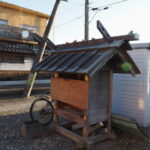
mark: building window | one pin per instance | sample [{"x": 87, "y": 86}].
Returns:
[
  {"x": 30, "y": 28},
  {"x": 11, "y": 59},
  {"x": 2, "y": 21}
]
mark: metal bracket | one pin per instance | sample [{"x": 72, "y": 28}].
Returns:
[{"x": 104, "y": 32}]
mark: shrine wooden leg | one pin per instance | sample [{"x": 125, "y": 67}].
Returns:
[
  {"x": 109, "y": 102},
  {"x": 86, "y": 125},
  {"x": 56, "y": 118}
]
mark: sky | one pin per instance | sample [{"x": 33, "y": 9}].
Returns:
[{"x": 119, "y": 19}]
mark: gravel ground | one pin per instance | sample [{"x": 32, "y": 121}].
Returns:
[
  {"x": 11, "y": 119},
  {"x": 10, "y": 139}
]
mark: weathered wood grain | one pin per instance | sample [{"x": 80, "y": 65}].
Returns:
[{"x": 72, "y": 92}]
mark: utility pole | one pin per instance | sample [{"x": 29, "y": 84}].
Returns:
[
  {"x": 42, "y": 46},
  {"x": 86, "y": 33},
  {"x": 87, "y": 8}
]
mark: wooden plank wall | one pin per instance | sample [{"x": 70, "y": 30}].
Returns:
[{"x": 72, "y": 92}]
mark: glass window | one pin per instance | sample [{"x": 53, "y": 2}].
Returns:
[
  {"x": 28, "y": 27},
  {"x": 11, "y": 59},
  {"x": 2, "y": 21}
]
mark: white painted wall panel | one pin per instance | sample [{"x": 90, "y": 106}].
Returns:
[
  {"x": 147, "y": 117},
  {"x": 26, "y": 66},
  {"x": 129, "y": 93}
]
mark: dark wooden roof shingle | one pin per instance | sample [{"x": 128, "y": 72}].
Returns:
[{"x": 82, "y": 60}]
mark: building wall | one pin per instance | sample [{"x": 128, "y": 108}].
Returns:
[
  {"x": 147, "y": 118},
  {"x": 98, "y": 95},
  {"x": 17, "y": 18},
  {"x": 130, "y": 93},
  {"x": 26, "y": 66}
]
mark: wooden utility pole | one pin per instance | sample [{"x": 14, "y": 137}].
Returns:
[
  {"x": 42, "y": 46},
  {"x": 86, "y": 34}
]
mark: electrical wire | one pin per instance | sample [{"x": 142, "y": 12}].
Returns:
[
  {"x": 69, "y": 21},
  {"x": 109, "y": 5},
  {"x": 105, "y": 8},
  {"x": 97, "y": 9},
  {"x": 93, "y": 16},
  {"x": 77, "y": 4}
]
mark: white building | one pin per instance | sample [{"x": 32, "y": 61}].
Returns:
[
  {"x": 18, "y": 48},
  {"x": 131, "y": 96}
]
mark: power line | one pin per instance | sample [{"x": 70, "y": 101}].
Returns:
[
  {"x": 97, "y": 11},
  {"x": 69, "y": 21},
  {"x": 93, "y": 16},
  {"x": 105, "y": 7},
  {"x": 108, "y": 5},
  {"x": 77, "y": 4}
]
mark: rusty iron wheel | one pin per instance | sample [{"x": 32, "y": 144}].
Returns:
[{"x": 42, "y": 110}]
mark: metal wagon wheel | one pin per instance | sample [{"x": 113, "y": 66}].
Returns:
[{"x": 42, "y": 110}]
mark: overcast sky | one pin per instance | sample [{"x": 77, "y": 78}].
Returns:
[{"x": 118, "y": 19}]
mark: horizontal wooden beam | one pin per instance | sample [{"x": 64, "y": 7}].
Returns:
[
  {"x": 97, "y": 138},
  {"x": 70, "y": 116},
  {"x": 71, "y": 135},
  {"x": 128, "y": 37},
  {"x": 18, "y": 41},
  {"x": 86, "y": 48}
]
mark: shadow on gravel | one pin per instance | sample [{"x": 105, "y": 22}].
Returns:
[{"x": 10, "y": 138}]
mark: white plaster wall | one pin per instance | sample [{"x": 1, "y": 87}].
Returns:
[
  {"x": 26, "y": 66},
  {"x": 130, "y": 93}
]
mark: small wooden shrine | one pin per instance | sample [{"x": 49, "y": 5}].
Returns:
[{"x": 82, "y": 85}]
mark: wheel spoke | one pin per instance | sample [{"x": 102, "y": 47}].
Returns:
[{"x": 42, "y": 110}]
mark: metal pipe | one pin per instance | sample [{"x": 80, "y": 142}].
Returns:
[{"x": 86, "y": 20}]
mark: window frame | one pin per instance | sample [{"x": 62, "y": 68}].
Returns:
[
  {"x": 6, "y": 58},
  {"x": 30, "y": 28},
  {"x": 4, "y": 20}
]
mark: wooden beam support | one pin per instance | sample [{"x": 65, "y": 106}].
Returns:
[
  {"x": 67, "y": 124},
  {"x": 56, "y": 75},
  {"x": 92, "y": 129},
  {"x": 56, "y": 118},
  {"x": 104, "y": 32},
  {"x": 39, "y": 56},
  {"x": 50, "y": 44},
  {"x": 104, "y": 46},
  {"x": 18, "y": 41},
  {"x": 70, "y": 116},
  {"x": 71, "y": 135},
  {"x": 86, "y": 125},
  {"x": 109, "y": 107},
  {"x": 77, "y": 126},
  {"x": 96, "y": 138},
  {"x": 86, "y": 78}
]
